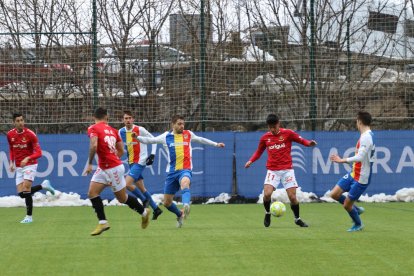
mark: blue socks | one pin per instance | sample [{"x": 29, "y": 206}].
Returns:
[
  {"x": 342, "y": 200},
  {"x": 186, "y": 196},
  {"x": 151, "y": 202},
  {"x": 355, "y": 216},
  {"x": 143, "y": 196},
  {"x": 138, "y": 194},
  {"x": 173, "y": 208}
]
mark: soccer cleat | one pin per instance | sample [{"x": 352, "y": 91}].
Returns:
[
  {"x": 27, "y": 219},
  {"x": 156, "y": 214},
  {"x": 186, "y": 210},
  {"x": 360, "y": 210},
  {"x": 266, "y": 221},
  {"x": 48, "y": 187},
  {"x": 300, "y": 222},
  {"x": 356, "y": 228},
  {"x": 100, "y": 228},
  {"x": 145, "y": 220},
  {"x": 180, "y": 220}
]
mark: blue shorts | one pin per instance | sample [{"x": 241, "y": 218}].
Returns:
[
  {"x": 172, "y": 183},
  {"x": 135, "y": 171},
  {"x": 353, "y": 187}
]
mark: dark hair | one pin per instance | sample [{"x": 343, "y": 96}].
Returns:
[
  {"x": 16, "y": 115},
  {"x": 272, "y": 119},
  {"x": 128, "y": 112},
  {"x": 100, "y": 113},
  {"x": 365, "y": 118},
  {"x": 175, "y": 118}
]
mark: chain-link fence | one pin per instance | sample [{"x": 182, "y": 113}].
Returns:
[{"x": 224, "y": 65}]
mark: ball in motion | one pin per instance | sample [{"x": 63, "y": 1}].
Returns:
[{"x": 277, "y": 209}]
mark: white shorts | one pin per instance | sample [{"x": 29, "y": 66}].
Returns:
[
  {"x": 25, "y": 173},
  {"x": 286, "y": 177},
  {"x": 113, "y": 177}
]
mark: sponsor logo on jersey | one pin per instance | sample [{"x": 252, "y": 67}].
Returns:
[
  {"x": 178, "y": 144},
  {"x": 277, "y": 146},
  {"x": 21, "y": 146}
]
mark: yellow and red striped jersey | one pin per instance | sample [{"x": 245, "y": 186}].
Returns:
[
  {"x": 178, "y": 147},
  {"x": 137, "y": 152}
]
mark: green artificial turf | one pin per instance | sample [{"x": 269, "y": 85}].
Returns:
[{"x": 215, "y": 240}]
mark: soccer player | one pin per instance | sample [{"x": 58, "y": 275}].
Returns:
[
  {"x": 357, "y": 181},
  {"x": 178, "y": 146},
  {"x": 24, "y": 152},
  {"x": 106, "y": 143},
  {"x": 138, "y": 158},
  {"x": 278, "y": 142}
]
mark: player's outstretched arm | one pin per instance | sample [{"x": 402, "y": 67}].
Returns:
[
  {"x": 335, "y": 158},
  {"x": 256, "y": 155},
  {"x": 205, "y": 141},
  {"x": 160, "y": 139},
  {"x": 299, "y": 139},
  {"x": 362, "y": 152},
  {"x": 144, "y": 132}
]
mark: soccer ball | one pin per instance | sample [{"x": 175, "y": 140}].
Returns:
[{"x": 277, "y": 209}]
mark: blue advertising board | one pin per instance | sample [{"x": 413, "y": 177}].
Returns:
[
  {"x": 65, "y": 157},
  {"x": 393, "y": 169}
]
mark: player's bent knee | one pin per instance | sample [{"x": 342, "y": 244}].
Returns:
[
  {"x": 267, "y": 197},
  {"x": 167, "y": 203},
  {"x": 335, "y": 196},
  {"x": 130, "y": 187},
  {"x": 24, "y": 194},
  {"x": 92, "y": 195}
]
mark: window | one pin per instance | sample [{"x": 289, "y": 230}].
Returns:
[
  {"x": 382, "y": 22},
  {"x": 409, "y": 28}
]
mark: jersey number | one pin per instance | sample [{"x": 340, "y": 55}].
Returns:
[{"x": 111, "y": 142}]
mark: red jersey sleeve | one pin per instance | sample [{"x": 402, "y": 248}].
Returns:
[
  {"x": 298, "y": 139},
  {"x": 37, "y": 151},
  {"x": 11, "y": 153},
  {"x": 92, "y": 132},
  {"x": 260, "y": 149}
]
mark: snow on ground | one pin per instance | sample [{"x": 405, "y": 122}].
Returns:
[
  {"x": 254, "y": 54},
  {"x": 73, "y": 199}
]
